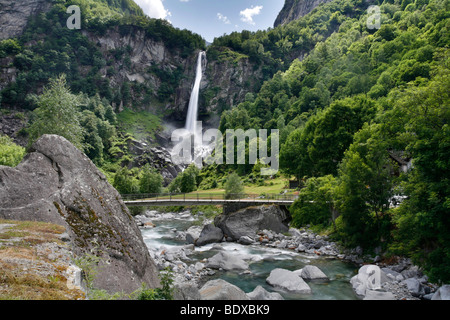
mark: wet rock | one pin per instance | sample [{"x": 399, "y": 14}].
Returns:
[{"x": 288, "y": 280}]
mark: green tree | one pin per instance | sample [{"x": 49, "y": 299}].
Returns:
[
  {"x": 422, "y": 112},
  {"x": 233, "y": 186},
  {"x": 124, "y": 182},
  {"x": 150, "y": 181},
  {"x": 316, "y": 203},
  {"x": 57, "y": 113}
]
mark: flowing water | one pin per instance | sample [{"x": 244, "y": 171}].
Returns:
[
  {"x": 191, "y": 121},
  {"x": 262, "y": 261}
]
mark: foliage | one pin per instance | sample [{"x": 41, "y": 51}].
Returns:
[
  {"x": 186, "y": 181},
  {"x": 316, "y": 202},
  {"x": 11, "y": 154},
  {"x": 150, "y": 181},
  {"x": 233, "y": 186},
  {"x": 57, "y": 113},
  {"x": 163, "y": 293}
]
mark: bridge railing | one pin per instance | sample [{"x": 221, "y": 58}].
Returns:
[{"x": 208, "y": 196}]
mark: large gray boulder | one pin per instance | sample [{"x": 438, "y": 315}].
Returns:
[
  {"x": 209, "y": 234},
  {"x": 226, "y": 261},
  {"x": 288, "y": 280},
  {"x": 57, "y": 183},
  {"x": 248, "y": 221},
  {"x": 221, "y": 290}
]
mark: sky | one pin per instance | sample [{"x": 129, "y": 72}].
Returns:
[{"x": 213, "y": 18}]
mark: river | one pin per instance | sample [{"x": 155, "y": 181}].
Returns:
[{"x": 262, "y": 260}]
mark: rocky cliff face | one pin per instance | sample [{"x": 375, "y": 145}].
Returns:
[
  {"x": 57, "y": 183},
  {"x": 14, "y": 15},
  {"x": 294, "y": 9},
  {"x": 225, "y": 85}
]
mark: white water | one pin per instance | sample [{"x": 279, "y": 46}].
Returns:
[{"x": 191, "y": 120}]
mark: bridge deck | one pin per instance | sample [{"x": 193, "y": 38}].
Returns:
[{"x": 205, "y": 199}]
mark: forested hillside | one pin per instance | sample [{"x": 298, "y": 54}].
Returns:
[{"x": 363, "y": 120}]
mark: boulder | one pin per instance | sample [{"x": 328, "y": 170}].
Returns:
[
  {"x": 288, "y": 280},
  {"x": 248, "y": 221},
  {"x": 192, "y": 234},
  {"x": 443, "y": 293},
  {"x": 246, "y": 240},
  {"x": 262, "y": 294},
  {"x": 57, "y": 183},
  {"x": 414, "y": 287},
  {"x": 311, "y": 273},
  {"x": 186, "y": 291},
  {"x": 221, "y": 290},
  {"x": 226, "y": 261},
  {"x": 209, "y": 234}
]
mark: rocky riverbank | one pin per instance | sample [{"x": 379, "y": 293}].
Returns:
[{"x": 399, "y": 281}]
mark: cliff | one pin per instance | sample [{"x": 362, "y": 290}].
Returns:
[
  {"x": 15, "y": 14},
  {"x": 294, "y": 9}
]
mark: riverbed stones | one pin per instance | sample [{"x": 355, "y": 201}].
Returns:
[
  {"x": 221, "y": 290},
  {"x": 288, "y": 280},
  {"x": 226, "y": 261}
]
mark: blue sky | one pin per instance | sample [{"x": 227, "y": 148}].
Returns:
[{"x": 213, "y": 18}]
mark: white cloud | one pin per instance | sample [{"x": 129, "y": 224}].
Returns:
[
  {"x": 154, "y": 8},
  {"x": 247, "y": 14},
  {"x": 223, "y": 18}
]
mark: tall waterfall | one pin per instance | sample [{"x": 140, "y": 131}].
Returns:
[{"x": 191, "y": 121}]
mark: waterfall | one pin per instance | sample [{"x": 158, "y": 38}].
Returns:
[{"x": 191, "y": 120}]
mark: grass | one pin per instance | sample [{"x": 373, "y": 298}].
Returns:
[
  {"x": 26, "y": 274},
  {"x": 139, "y": 124}
]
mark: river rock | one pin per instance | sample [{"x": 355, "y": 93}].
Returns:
[
  {"x": 262, "y": 294},
  {"x": 311, "y": 273},
  {"x": 209, "y": 234},
  {"x": 414, "y": 287},
  {"x": 288, "y": 280},
  {"x": 226, "y": 261},
  {"x": 246, "y": 240},
  {"x": 443, "y": 293},
  {"x": 221, "y": 290},
  {"x": 248, "y": 221},
  {"x": 186, "y": 291},
  {"x": 57, "y": 183},
  {"x": 192, "y": 234}
]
